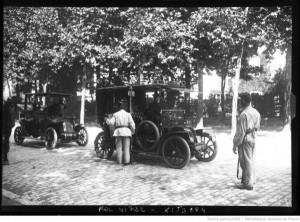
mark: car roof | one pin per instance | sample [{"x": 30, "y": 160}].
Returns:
[
  {"x": 53, "y": 94},
  {"x": 150, "y": 87}
]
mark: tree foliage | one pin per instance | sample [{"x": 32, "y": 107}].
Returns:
[{"x": 64, "y": 48}]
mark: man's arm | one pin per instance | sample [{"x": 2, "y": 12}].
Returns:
[
  {"x": 131, "y": 123},
  {"x": 240, "y": 132},
  {"x": 111, "y": 121}
]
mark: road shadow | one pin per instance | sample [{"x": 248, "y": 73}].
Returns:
[{"x": 38, "y": 144}]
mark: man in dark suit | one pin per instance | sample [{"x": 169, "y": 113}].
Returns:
[{"x": 8, "y": 122}]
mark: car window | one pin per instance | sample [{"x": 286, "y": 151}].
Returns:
[
  {"x": 52, "y": 100},
  {"x": 30, "y": 101},
  {"x": 149, "y": 98}
]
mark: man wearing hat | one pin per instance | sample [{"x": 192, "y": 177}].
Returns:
[
  {"x": 244, "y": 141},
  {"x": 124, "y": 128}
]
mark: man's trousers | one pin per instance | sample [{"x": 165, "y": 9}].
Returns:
[
  {"x": 247, "y": 153},
  {"x": 123, "y": 143}
]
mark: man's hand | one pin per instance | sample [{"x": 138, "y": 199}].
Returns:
[{"x": 234, "y": 150}]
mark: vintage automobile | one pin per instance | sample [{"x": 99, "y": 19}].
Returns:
[
  {"x": 174, "y": 137},
  {"x": 43, "y": 117}
]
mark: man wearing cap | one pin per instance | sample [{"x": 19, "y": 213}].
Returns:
[
  {"x": 244, "y": 141},
  {"x": 124, "y": 128}
]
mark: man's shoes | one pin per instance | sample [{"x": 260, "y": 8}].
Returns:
[
  {"x": 5, "y": 162},
  {"x": 242, "y": 187}
]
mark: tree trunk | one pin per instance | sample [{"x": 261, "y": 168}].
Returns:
[
  {"x": 200, "y": 100},
  {"x": 287, "y": 93},
  {"x": 110, "y": 73},
  {"x": 235, "y": 86},
  {"x": 235, "y": 92},
  {"x": 187, "y": 77},
  {"x": 223, "y": 83},
  {"x": 35, "y": 86},
  {"x": 45, "y": 87},
  {"x": 9, "y": 90},
  {"x": 82, "y": 110},
  {"x": 95, "y": 93},
  {"x": 140, "y": 75}
]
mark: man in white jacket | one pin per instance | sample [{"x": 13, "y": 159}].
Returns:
[
  {"x": 124, "y": 129},
  {"x": 244, "y": 140}
]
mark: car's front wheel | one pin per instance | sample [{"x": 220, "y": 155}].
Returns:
[
  {"x": 82, "y": 137},
  {"x": 18, "y": 136},
  {"x": 176, "y": 152},
  {"x": 103, "y": 146},
  {"x": 50, "y": 138}
]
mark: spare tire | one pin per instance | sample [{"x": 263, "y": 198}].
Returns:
[{"x": 147, "y": 135}]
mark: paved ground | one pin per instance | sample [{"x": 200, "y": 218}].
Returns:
[{"x": 72, "y": 175}]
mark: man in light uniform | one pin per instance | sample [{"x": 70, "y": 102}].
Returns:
[
  {"x": 244, "y": 141},
  {"x": 124, "y": 128}
]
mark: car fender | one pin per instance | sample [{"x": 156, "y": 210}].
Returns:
[
  {"x": 78, "y": 126},
  {"x": 22, "y": 124}
]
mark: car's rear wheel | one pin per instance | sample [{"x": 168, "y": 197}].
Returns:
[
  {"x": 103, "y": 147},
  {"x": 18, "y": 136},
  {"x": 176, "y": 152},
  {"x": 50, "y": 138},
  {"x": 147, "y": 135},
  {"x": 82, "y": 137},
  {"x": 209, "y": 150}
]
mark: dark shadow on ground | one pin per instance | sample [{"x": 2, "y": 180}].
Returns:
[
  {"x": 41, "y": 144},
  {"x": 10, "y": 202}
]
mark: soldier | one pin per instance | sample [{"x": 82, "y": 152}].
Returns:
[
  {"x": 244, "y": 141},
  {"x": 9, "y": 108},
  {"x": 124, "y": 128}
]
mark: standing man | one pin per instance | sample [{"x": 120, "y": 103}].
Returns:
[
  {"x": 124, "y": 128},
  {"x": 244, "y": 140},
  {"x": 154, "y": 110},
  {"x": 163, "y": 100},
  {"x": 8, "y": 122}
]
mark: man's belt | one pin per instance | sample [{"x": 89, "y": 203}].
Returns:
[
  {"x": 251, "y": 131},
  {"x": 117, "y": 127}
]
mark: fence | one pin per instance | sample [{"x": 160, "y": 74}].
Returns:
[{"x": 268, "y": 105}]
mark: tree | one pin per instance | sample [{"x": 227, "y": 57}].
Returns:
[
  {"x": 53, "y": 46},
  {"x": 235, "y": 35},
  {"x": 29, "y": 39}
]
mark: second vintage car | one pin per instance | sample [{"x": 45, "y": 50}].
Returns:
[{"x": 45, "y": 115}]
